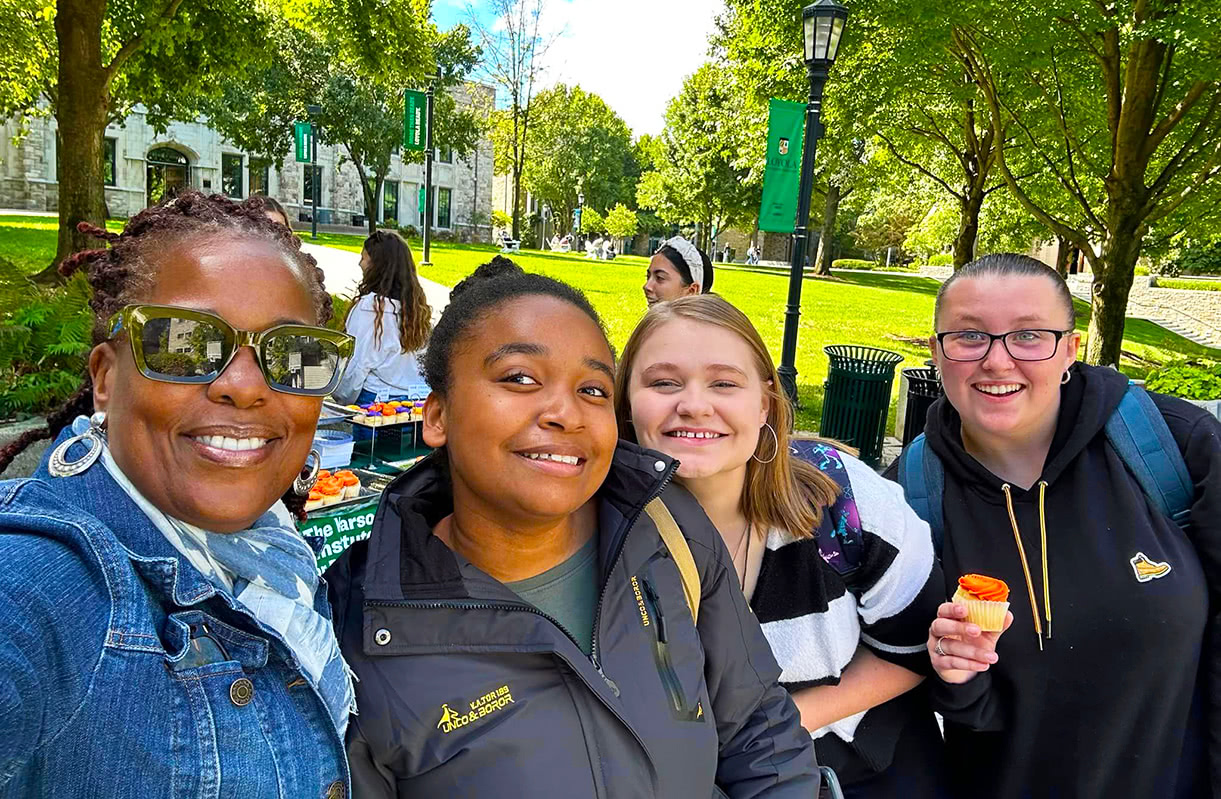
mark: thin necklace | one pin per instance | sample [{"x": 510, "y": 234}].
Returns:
[{"x": 743, "y": 544}]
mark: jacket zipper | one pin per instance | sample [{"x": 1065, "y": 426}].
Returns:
[
  {"x": 593, "y": 656},
  {"x": 665, "y": 665}
]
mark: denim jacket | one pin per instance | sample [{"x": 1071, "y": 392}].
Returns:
[{"x": 125, "y": 673}]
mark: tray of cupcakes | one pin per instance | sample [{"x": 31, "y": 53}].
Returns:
[
  {"x": 344, "y": 487},
  {"x": 385, "y": 414}
]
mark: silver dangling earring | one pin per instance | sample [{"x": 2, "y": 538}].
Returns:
[
  {"x": 775, "y": 450},
  {"x": 94, "y": 437},
  {"x": 303, "y": 485},
  {"x": 1068, "y": 375}
]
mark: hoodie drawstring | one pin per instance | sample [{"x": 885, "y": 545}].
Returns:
[{"x": 1017, "y": 538}]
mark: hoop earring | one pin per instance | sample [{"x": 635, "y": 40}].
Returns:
[
  {"x": 1068, "y": 375},
  {"x": 303, "y": 485},
  {"x": 94, "y": 437},
  {"x": 775, "y": 450}
]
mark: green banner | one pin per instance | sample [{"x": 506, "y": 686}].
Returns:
[
  {"x": 778, "y": 210},
  {"x": 421, "y": 199},
  {"x": 304, "y": 136},
  {"x": 341, "y": 529},
  {"x": 415, "y": 122}
]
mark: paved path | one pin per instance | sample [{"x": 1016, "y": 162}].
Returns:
[{"x": 342, "y": 269}]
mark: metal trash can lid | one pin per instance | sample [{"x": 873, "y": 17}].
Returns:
[
  {"x": 923, "y": 382},
  {"x": 862, "y": 360}
]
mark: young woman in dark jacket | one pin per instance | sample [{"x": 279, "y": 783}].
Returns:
[
  {"x": 516, "y": 622},
  {"x": 1106, "y": 683}
]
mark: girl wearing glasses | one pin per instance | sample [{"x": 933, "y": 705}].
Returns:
[
  {"x": 166, "y": 631},
  {"x": 390, "y": 321},
  {"x": 1123, "y": 700}
]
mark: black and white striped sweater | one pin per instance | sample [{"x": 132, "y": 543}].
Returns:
[{"x": 816, "y": 605}]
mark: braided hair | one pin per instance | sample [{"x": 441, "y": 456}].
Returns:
[{"x": 123, "y": 273}]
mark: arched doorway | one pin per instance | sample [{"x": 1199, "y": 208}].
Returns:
[{"x": 168, "y": 172}]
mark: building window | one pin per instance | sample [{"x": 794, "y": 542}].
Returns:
[
  {"x": 443, "y": 207},
  {"x": 390, "y": 201},
  {"x": 110, "y": 171},
  {"x": 311, "y": 173},
  {"x": 445, "y": 155},
  {"x": 260, "y": 176},
  {"x": 231, "y": 175}
]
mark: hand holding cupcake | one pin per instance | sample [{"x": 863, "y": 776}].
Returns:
[{"x": 962, "y": 639}]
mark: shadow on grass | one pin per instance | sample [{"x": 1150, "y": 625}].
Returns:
[{"x": 909, "y": 283}]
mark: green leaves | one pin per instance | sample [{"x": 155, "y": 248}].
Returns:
[
  {"x": 44, "y": 341},
  {"x": 1197, "y": 380}
]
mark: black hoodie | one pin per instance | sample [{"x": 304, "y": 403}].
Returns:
[{"x": 1125, "y": 695}]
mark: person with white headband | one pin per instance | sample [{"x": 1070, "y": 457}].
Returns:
[{"x": 678, "y": 268}]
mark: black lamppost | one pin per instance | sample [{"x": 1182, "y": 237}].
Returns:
[
  {"x": 822, "y": 28},
  {"x": 316, "y": 179}
]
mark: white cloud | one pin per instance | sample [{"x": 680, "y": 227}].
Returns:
[{"x": 635, "y": 54}]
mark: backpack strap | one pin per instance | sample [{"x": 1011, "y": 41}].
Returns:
[
  {"x": 840, "y": 542},
  {"x": 1139, "y": 434},
  {"x": 923, "y": 479},
  {"x": 676, "y": 542}
]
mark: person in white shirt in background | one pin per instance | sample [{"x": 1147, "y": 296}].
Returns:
[{"x": 391, "y": 321}]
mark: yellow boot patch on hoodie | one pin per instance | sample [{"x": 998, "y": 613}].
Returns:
[{"x": 1146, "y": 569}]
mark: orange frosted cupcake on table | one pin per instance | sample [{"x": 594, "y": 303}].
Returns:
[
  {"x": 350, "y": 482},
  {"x": 331, "y": 490},
  {"x": 314, "y": 502},
  {"x": 986, "y": 600}
]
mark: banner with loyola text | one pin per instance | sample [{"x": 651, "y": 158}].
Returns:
[{"x": 778, "y": 210}]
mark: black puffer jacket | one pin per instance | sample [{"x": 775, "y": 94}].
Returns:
[{"x": 466, "y": 690}]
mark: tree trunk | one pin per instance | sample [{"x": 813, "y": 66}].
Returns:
[
  {"x": 822, "y": 260},
  {"x": 370, "y": 200},
  {"x": 1114, "y": 269},
  {"x": 968, "y": 226},
  {"x": 1064, "y": 255},
  {"x": 81, "y": 113}
]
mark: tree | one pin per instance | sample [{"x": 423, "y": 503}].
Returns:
[
  {"x": 579, "y": 145},
  {"x": 514, "y": 52},
  {"x": 697, "y": 176},
  {"x": 170, "y": 57},
  {"x": 363, "y": 113},
  {"x": 1120, "y": 103},
  {"x": 621, "y": 222},
  {"x": 592, "y": 221}
]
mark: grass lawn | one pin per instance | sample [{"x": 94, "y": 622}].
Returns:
[
  {"x": 885, "y": 310},
  {"x": 29, "y": 241}
]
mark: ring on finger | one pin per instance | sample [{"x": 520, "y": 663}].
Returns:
[{"x": 937, "y": 649}]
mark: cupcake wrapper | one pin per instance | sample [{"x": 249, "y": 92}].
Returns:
[
  {"x": 351, "y": 492},
  {"x": 990, "y": 616}
]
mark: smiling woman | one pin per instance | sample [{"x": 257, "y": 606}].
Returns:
[
  {"x": 516, "y": 562},
  {"x": 157, "y": 518}
]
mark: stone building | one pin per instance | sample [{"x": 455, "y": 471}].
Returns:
[{"x": 142, "y": 167}]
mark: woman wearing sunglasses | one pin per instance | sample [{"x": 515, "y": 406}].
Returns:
[
  {"x": 1119, "y": 696},
  {"x": 166, "y": 631}
]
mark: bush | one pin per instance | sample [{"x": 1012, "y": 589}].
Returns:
[
  {"x": 853, "y": 263},
  {"x": 941, "y": 259},
  {"x": 45, "y": 338},
  {"x": 1197, "y": 285},
  {"x": 1142, "y": 270},
  {"x": 409, "y": 232},
  {"x": 1197, "y": 380},
  {"x": 1204, "y": 259}
]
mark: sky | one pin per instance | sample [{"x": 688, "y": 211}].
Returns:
[{"x": 635, "y": 54}]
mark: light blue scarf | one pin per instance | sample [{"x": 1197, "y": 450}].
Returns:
[{"x": 271, "y": 571}]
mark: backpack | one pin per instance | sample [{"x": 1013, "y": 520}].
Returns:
[
  {"x": 1138, "y": 434},
  {"x": 842, "y": 549}
]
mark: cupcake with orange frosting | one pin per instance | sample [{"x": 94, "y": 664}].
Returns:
[
  {"x": 986, "y": 600},
  {"x": 350, "y": 482},
  {"x": 314, "y": 502},
  {"x": 330, "y": 489}
]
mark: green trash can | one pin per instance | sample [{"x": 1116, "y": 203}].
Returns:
[{"x": 856, "y": 397}]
